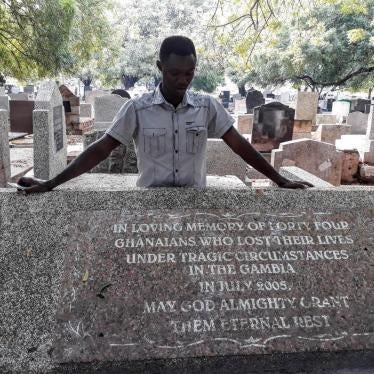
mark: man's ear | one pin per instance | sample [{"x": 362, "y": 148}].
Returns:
[{"x": 159, "y": 65}]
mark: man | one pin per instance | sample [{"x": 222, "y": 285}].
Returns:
[{"x": 170, "y": 128}]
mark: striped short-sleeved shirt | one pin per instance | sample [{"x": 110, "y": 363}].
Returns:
[{"x": 170, "y": 143}]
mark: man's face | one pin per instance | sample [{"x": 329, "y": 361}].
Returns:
[{"x": 177, "y": 74}]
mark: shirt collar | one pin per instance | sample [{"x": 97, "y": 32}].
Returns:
[{"x": 158, "y": 98}]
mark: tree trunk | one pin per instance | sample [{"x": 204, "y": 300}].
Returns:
[
  {"x": 129, "y": 81},
  {"x": 369, "y": 93},
  {"x": 241, "y": 88}
]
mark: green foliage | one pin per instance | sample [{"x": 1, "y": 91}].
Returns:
[
  {"x": 45, "y": 37},
  {"x": 208, "y": 77}
]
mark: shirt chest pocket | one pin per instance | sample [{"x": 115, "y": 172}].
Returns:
[
  {"x": 154, "y": 141},
  {"x": 195, "y": 137}
]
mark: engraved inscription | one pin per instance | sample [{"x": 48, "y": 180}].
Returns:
[
  {"x": 58, "y": 129},
  {"x": 229, "y": 280}
]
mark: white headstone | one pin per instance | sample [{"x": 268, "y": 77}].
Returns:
[
  {"x": 4, "y": 148},
  {"x": 50, "y": 141},
  {"x": 341, "y": 109},
  {"x": 106, "y": 107}
]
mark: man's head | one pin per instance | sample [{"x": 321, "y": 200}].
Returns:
[{"x": 177, "y": 63}]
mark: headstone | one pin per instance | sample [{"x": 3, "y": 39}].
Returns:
[
  {"x": 326, "y": 118},
  {"x": 254, "y": 99},
  {"x": 50, "y": 142},
  {"x": 358, "y": 122},
  {"x": 300, "y": 175},
  {"x": 221, "y": 160},
  {"x": 86, "y": 110},
  {"x": 329, "y": 133},
  {"x": 320, "y": 159},
  {"x": 19, "y": 96},
  {"x": 240, "y": 106},
  {"x": 225, "y": 99},
  {"x": 351, "y": 160},
  {"x": 4, "y": 102},
  {"x": 121, "y": 160},
  {"x": 71, "y": 106},
  {"x": 272, "y": 125},
  {"x": 29, "y": 89},
  {"x": 341, "y": 109},
  {"x": 91, "y": 95},
  {"x": 369, "y": 154},
  {"x": 21, "y": 113},
  {"x": 330, "y": 103},
  {"x": 245, "y": 123},
  {"x": 302, "y": 129},
  {"x": 106, "y": 107},
  {"x": 306, "y": 106},
  {"x": 2, "y": 91},
  {"x": 360, "y": 105},
  {"x": 187, "y": 281},
  {"x": 4, "y": 148}
]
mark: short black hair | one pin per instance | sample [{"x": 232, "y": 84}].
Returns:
[
  {"x": 180, "y": 45},
  {"x": 121, "y": 92}
]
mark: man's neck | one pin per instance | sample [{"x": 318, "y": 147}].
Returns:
[{"x": 175, "y": 101}]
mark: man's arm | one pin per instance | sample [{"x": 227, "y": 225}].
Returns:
[
  {"x": 94, "y": 154},
  {"x": 246, "y": 151}
]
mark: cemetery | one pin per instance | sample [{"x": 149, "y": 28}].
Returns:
[{"x": 103, "y": 275}]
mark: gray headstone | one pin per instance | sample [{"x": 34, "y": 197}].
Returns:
[
  {"x": 358, "y": 122},
  {"x": 122, "y": 160},
  {"x": 19, "y": 96},
  {"x": 370, "y": 124},
  {"x": 4, "y": 148},
  {"x": 253, "y": 99},
  {"x": 4, "y": 102},
  {"x": 222, "y": 160},
  {"x": 187, "y": 281},
  {"x": 50, "y": 141},
  {"x": 272, "y": 124},
  {"x": 86, "y": 110},
  {"x": 105, "y": 108}
]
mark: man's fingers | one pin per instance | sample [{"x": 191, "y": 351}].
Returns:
[
  {"x": 307, "y": 184},
  {"x": 26, "y": 182}
]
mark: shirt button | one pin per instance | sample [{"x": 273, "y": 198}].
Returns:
[
  {"x": 176, "y": 131},
  {"x": 176, "y": 151},
  {"x": 176, "y": 170}
]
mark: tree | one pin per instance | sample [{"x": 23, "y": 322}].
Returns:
[
  {"x": 45, "y": 37},
  {"x": 142, "y": 31},
  {"x": 34, "y": 37},
  {"x": 316, "y": 45}
]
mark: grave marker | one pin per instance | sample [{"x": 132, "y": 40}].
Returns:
[
  {"x": 306, "y": 106},
  {"x": 105, "y": 108},
  {"x": 253, "y": 99},
  {"x": 50, "y": 142},
  {"x": 272, "y": 124},
  {"x": 4, "y": 148},
  {"x": 358, "y": 122}
]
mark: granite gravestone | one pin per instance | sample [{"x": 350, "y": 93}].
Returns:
[
  {"x": 272, "y": 125},
  {"x": 4, "y": 102},
  {"x": 4, "y": 148},
  {"x": 369, "y": 153},
  {"x": 254, "y": 98},
  {"x": 173, "y": 279},
  {"x": 50, "y": 142},
  {"x": 105, "y": 108}
]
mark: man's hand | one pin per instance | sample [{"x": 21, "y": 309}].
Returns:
[
  {"x": 286, "y": 183},
  {"x": 32, "y": 185}
]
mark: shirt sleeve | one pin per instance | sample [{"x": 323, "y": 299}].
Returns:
[
  {"x": 219, "y": 120},
  {"x": 124, "y": 123}
]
